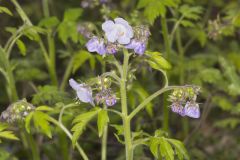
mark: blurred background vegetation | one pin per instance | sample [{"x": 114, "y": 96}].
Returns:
[{"x": 204, "y": 40}]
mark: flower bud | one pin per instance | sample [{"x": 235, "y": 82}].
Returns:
[{"x": 17, "y": 111}]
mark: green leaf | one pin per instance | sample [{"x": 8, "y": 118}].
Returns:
[
  {"x": 21, "y": 47},
  {"x": 210, "y": 75},
  {"x": 228, "y": 122},
  {"x": 40, "y": 120},
  {"x": 80, "y": 58},
  {"x": 236, "y": 20},
  {"x": 68, "y": 27},
  {"x": 8, "y": 135},
  {"x": 49, "y": 22},
  {"x": 80, "y": 123},
  {"x": 166, "y": 149},
  {"x": 156, "y": 61},
  {"x": 153, "y": 11},
  {"x": 198, "y": 33},
  {"x": 5, "y": 10},
  {"x": 223, "y": 103},
  {"x": 154, "y": 146},
  {"x": 191, "y": 12},
  {"x": 119, "y": 128},
  {"x": 187, "y": 23},
  {"x": 143, "y": 94},
  {"x": 68, "y": 30},
  {"x": 155, "y": 8},
  {"x": 118, "y": 139},
  {"x": 48, "y": 95},
  {"x": 72, "y": 14},
  {"x": 102, "y": 121},
  {"x": 179, "y": 149},
  {"x": 28, "y": 122},
  {"x": 3, "y": 126},
  {"x": 44, "y": 108}
]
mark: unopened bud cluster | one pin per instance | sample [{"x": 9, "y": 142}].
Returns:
[
  {"x": 105, "y": 95},
  {"x": 184, "y": 101},
  {"x": 17, "y": 111}
]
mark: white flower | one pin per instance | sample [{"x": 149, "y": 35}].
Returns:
[{"x": 119, "y": 31}]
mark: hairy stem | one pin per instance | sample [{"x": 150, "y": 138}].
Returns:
[
  {"x": 125, "y": 118},
  {"x": 104, "y": 141},
  {"x": 182, "y": 75},
  {"x": 150, "y": 98},
  {"x": 168, "y": 50}
]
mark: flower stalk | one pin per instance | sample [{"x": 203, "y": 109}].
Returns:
[
  {"x": 125, "y": 117},
  {"x": 104, "y": 141},
  {"x": 168, "y": 50}
]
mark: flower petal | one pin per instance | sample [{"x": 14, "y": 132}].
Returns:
[
  {"x": 74, "y": 84},
  {"x": 112, "y": 36},
  {"x": 192, "y": 110},
  {"x": 92, "y": 44},
  {"x": 107, "y": 26},
  {"x": 123, "y": 40},
  {"x": 121, "y": 21},
  {"x": 129, "y": 30}
]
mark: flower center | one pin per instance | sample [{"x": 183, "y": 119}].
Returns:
[{"x": 120, "y": 30}]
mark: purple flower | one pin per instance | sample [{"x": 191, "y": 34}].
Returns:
[
  {"x": 111, "y": 100},
  {"x": 96, "y": 45},
  {"x": 139, "y": 47},
  {"x": 103, "y": 1},
  {"x": 111, "y": 48},
  {"x": 119, "y": 31},
  {"x": 178, "y": 108},
  {"x": 84, "y": 93},
  {"x": 192, "y": 109}
]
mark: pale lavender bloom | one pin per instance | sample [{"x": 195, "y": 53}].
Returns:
[
  {"x": 111, "y": 100},
  {"x": 84, "y": 93},
  {"x": 96, "y": 44},
  {"x": 120, "y": 31},
  {"x": 192, "y": 109},
  {"x": 103, "y": 1},
  {"x": 178, "y": 108},
  {"x": 139, "y": 47}
]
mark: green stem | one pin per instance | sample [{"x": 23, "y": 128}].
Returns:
[
  {"x": 168, "y": 51},
  {"x": 104, "y": 141},
  {"x": 12, "y": 85},
  {"x": 66, "y": 75},
  {"x": 64, "y": 129},
  {"x": 48, "y": 58},
  {"x": 12, "y": 90},
  {"x": 125, "y": 118},
  {"x": 51, "y": 47},
  {"x": 150, "y": 98},
  {"x": 52, "y": 58},
  {"x": 182, "y": 75},
  {"x": 33, "y": 147}
]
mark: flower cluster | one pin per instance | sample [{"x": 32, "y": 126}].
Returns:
[
  {"x": 92, "y": 3},
  {"x": 17, "y": 111},
  {"x": 119, "y": 33},
  {"x": 103, "y": 96},
  {"x": 184, "y": 101}
]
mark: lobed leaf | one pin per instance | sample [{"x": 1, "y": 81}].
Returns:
[{"x": 103, "y": 120}]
